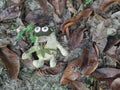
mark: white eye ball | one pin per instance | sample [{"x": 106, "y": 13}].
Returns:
[
  {"x": 37, "y": 29},
  {"x": 45, "y": 29}
]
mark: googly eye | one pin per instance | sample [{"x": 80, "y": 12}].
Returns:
[
  {"x": 37, "y": 29},
  {"x": 45, "y": 29}
]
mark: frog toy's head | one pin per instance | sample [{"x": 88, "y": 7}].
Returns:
[
  {"x": 42, "y": 31},
  {"x": 42, "y": 34},
  {"x": 32, "y": 32}
]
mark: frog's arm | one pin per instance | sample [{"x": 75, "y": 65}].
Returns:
[
  {"x": 62, "y": 49},
  {"x": 26, "y": 54}
]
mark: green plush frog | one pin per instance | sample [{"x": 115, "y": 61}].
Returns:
[{"x": 45, "y": 46}]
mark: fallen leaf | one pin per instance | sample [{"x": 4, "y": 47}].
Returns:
[
  {"x": 4, "y": 42},
  {"x": 37, "y": 17},
  {"x": 17, "y": 1},
  {"x": 70, "y": 7},
  {"x": 106, "y": 3},
  {"x": 76, "y": 37},
  {"x": 58, "y": 5},
  {"x": 45, "y": 70},
  {"x": 103, "y": 74},
  {"x": 76, "y": 85},
  {"x": 90, "y": 60},
  {"x": 83, "y": 14},
  {"x": 115, "y": 84},
  {"x": 9, "y": 13},
  {"x": 99, "y": 36},
  {"x": 43, "y": 4},
  {"x": 113, "y": 52},
  {"x": 112, "y": 40},
  {"x": 71, "y": 72},
  {"x": 85, "y": 65},
  {"x": 11, "y": 62}
]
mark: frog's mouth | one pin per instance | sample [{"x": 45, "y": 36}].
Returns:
[{"x": 43, "y": 41}]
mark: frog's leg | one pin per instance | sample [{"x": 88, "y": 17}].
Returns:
[
  {"x": 38, "y": 63},
  {"x": 53, "y": 61}
]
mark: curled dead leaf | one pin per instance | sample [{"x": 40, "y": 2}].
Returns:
[
  {"x": 45, "y": 70},
  {"x": 106, "y": 3},
  {"x": 85, "y": 65},
  {"x": 58, "y": 5},
  {"x": 83, "y": 14},
  {"x": 112, "y": 40},
  {"x": 76, "y": 37},
  {"x": 10, "y": 12},
  {"x": 103, "y": 74},
  {"x": 90, "y": 60},
  {"x": 71, "y": 72},
  {"x": 115, "y": 84},
  {"x": 11, "y": 62}
]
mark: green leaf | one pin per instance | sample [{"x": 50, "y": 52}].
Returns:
[{"x": 87, "y": 1}]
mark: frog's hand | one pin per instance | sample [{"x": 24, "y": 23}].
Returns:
[
  {"x": 26, "y": 54},
  {"x": 62, "y": 50},
  {"x": 38, "y": 63}
]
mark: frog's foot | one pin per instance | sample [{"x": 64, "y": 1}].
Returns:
[
  {"x": 53, "y": 62},
  {"x": 38, "y": 63}
]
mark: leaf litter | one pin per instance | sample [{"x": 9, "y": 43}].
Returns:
[{"x": 88, "y": 27}]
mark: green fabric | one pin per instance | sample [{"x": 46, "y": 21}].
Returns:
[{"x": 26, "y": 31}]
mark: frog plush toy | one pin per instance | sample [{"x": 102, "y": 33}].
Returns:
[{"x": 45, "y": 46}]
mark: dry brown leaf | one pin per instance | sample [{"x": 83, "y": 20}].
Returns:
[
  {"x": 17, "y": 1},
  {"x": 90, "y": 60},
  {"x": 71, "y": 72},
  {"x": 106, "y": 73},
  {"x": 115, "y": 84},
  {"x": 58, "y": 5},
  {"x": 11, "y": 62},
  {"x": 83, "y": 14},
  {"x": 113, "y": 52},
  {"x": 112, "y": 40},
  {"x": 43, "y": 4},
  {"x": 45, "y": 70},
  {"x": 37, "y": 17},
  {"x": 9, "y": 13},
  {"x": 84, "y": 65},
  {"x": 99, "y": 36},
  {"x": 76, "y": 37},
  {"x": 4, "y": 42},
  {"x": 106, "y": 3},
  {"x": 70, "y": 7}
]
